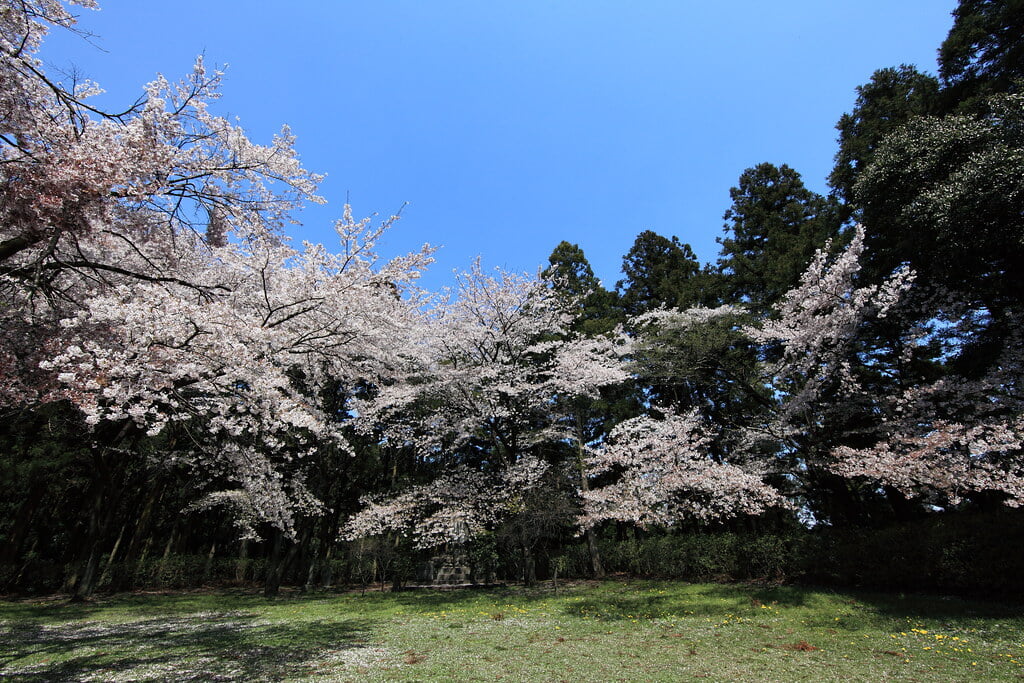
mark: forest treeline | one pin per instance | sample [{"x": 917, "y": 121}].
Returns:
[{"x": 187, "y": 398}]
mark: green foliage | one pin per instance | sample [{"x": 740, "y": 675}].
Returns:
[
  {"x": 711, "y": 366},
  {"x": 660, "y": 272},
  {"x": 951, "y": 190},
  {"x": 596, "y": 309},
  {"x": 984, "y": 51},
  {"x": 890, "y": 99},
  {"x": 959, "y": 553},
  {"x": 775, "y": 226},
  {"x": 721, "y": 556},
  {"x": 31, "y": 575},
  {"x": 963, "y": 553},
  {"x": 483, "y": 557}
]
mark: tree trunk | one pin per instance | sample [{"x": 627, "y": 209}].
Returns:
[
  {"x": 596, "y": 566},
  {"x": 272, "y": 582},
  {"x": 841, "y": 506},
  {"x": 243, "y": 561},
  {"x": 85, "y": 581},
  {"x": 113, "y": 554},
  {"x": 529, "y": 566},
  {"x": 279, "y": 562},
  {"x": 903, "y": 509},
  {"x": 319, "y": 575},
  {"x": 108, "y": 481},
  {"x": 100, "y": 520},
  {"x": 16, "y": 581},
  {"x": 326, "y": 574},
  {"x": 136, "y": 548},
  {"x": 314, "y": 562},
  {"x": 207, "y": 570},
  {"x": 162, "y": 567},
  {"x": 397, "y": 564}
]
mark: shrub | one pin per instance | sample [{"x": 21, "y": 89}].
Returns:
[{"x": 960, "y": 553}]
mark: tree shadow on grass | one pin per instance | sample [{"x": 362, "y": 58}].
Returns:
[
  {"x": 610, "y": 599},
  {"x": 137, "y": 603},
  {"x": 816, "y": 606},
  {"x": 662, "y": 599},
  {"x": 204, "y": 646},
  {"x": 876, "y": 609},
  {"x": 434, "y": 599},
  {"x": 940, "y": 608}
]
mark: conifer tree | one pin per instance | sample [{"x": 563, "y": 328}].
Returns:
[
  {"x": 774, "y": 226},
  {"x": 659, "y": 271}
]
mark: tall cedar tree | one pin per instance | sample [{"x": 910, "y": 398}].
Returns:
[
  {"x": 595, "y": 309},
  {"x": 659, "y": 272},
  {"x": 775, "y": 226}
]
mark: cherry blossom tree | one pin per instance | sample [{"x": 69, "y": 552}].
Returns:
[
  {"x": 951, "y": 439},
  {"x": 685, "y": 464},
  {"x": 147, "y": 281},
  {"x": 824, "y": 373},
  {"x": 837, "y": 401},
  {"x": 239, "y": 371},
  {"x": 816, "y": 325},
  {"x": 674, "y": 463},
  {"x": 664, "y": 474},
  {"x": 483, "y": 408},
  {"x": 92, "y": 199},
  {"x": 937, "y": 440},
  {"x": 455, "y": 507}
]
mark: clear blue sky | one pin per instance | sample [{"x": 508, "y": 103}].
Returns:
[{"x": 509, "y": 125}]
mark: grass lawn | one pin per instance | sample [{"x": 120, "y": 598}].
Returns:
[{"x": 610, "y": 631}]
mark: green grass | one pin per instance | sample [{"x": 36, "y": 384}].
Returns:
[{"x": 616, "y": 630}]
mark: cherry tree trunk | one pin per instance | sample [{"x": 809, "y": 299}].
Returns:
[
  {"x": 596, "y": 566},
  {"x": 529, "y": 566},
  {"x": 280, "y": 561}
]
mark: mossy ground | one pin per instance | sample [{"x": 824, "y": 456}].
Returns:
[{"x": 607, "y": 631}]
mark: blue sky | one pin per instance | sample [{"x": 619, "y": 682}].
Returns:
[{"x": 508, "y": 126}]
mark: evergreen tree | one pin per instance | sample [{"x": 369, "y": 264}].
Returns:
[
  {"x": 595, "y": 308},
  {"x": 984, "y": 51},
  {"x": 892, "y": 97},
  {"x": 659, "y": 272},
  {"x": 946, "y": 196},
  {"x": 775, "y": 225}
]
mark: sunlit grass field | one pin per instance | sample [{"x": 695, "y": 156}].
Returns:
[{"x": 610, "y": 631}]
